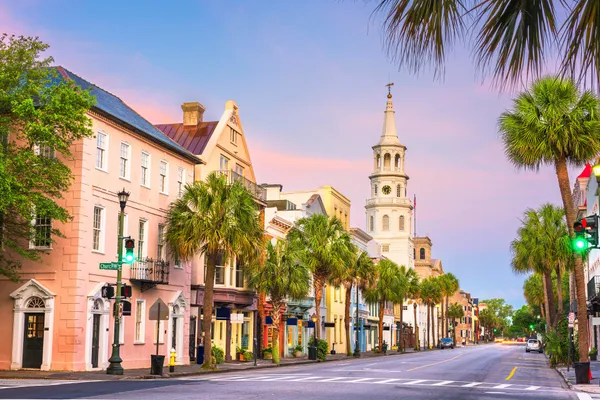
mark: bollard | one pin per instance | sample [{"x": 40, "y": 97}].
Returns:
[{"x": 172, "y": 361}]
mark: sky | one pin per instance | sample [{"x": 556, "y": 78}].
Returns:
[{"x": 309, "y": 77}]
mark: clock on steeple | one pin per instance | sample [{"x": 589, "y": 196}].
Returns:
[{"x": 386, "y": 189}]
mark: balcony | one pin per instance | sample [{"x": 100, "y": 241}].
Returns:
[
  {"x": 149, "y": 273},
  {"x": 257, "y": 192}
]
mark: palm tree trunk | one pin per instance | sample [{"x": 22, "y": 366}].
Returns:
[
  {"x": 542, "y": 311},
  {"x": 380, "y": 335},
  {"x": 207, "y": 306},
  {"x": 347, "y": 318},
  {"x": 559, "y": 292},
  {"x": 318, "y": 296},
  {"x": 547, "y": 298},
  {"x": 417, "y": 344},
  {"x": 562, "y": 174},
  {"x": 401, "y": 344},
  {"x": 275, "y": 315},
  {"x": 261, "y": 315}
]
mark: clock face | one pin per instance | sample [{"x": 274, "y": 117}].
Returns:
[{"x": 387, "y": 190}]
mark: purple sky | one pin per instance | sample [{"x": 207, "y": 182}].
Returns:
[{"x": 309, "y": 78}]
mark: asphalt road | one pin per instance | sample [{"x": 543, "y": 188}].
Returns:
[{"x": 480, "y": 372}]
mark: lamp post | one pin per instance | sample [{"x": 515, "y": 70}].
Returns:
[
  {"x": 115, "y": 360},
  {"x": 356, "y": 326}
]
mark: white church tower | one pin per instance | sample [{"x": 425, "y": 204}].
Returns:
[{"x": 389, "y": 211}]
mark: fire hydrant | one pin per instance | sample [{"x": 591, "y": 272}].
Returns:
[{"x": 172, "y": 361}]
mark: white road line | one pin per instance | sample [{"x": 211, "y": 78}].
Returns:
[
  {"x": 387, "y": 381},
  {"x": 584, "y": 396},
  {"x": 359, "y": 380},
  {"x": 304, "y": 379},
  {"x": 442, "y": 383},
  {"x": 504, "y": 385},
  {"x": 415, "y": 382},
  {"x": 473, "y": 384},
  {"x": 533, "y": 388},
  {"x": 277, "y": 378},
  {"x": 332, "y": 379}
]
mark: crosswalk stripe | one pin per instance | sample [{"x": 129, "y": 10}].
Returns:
[
  {"x": 533, "y": 388},
  {"x": 332, "y": 379},
  {"x": 305, "y": 378},
  {"x": 387, "y": 381},
  {"x": 359, "y": 380},
  {"x": 473, "y": 384},
  {"x": 442, "y": 383},
  {"x": 415, "y": 382},
  {"x": 277, "y": 378},
  {"x": 502, "y": 386}
]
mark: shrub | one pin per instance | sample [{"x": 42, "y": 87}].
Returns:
[
  {"x": 322, "y": 348},
  {"x": 218, "y": 354},
  {"x": 298, "y": 348},
  {"x": 248, "y": 355}
]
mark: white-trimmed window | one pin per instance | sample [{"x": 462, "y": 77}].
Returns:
[
  {"x": 140, "y": 322},
  {"x": 239, "y": 169},
  {"x": 385, "y": 223},
  {"x": 124, "y": 162},
  {"x": 142, "y": 239},
  {"x": 42, "y": 233},
  {"x": 385, "y": 248},
  {"x": 98, "y": 229},
  {"x": 163, "y": 177},
  {"x": 101, "y": 151},
  {"x": 223, "y": 163},
  {"x": 44, "y": 151},
  {"x": 160, "y": 248},
  {"x": 161, "y": 332},
  {"x": 233, "y": 135},
  {"x": 145, "y": 172},
  {"x": 180, "y": 181}
]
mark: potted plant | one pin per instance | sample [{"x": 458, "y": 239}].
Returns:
[
  {"x": 593, "y": 354},
  {"x": 298, "y": 351},
  {"x": 248, "y": 356},
  {"x": 240, "y": 353},
  {"x": 268, "y": 353}
]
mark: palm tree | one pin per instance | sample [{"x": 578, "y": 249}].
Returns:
[
  {"x": 455, "y": 311},
  {"x": 359, "y": 274},
  {"x": 214, "y": 218},
  {"x": 533, "y": 291},
  {"x": 450, "y": 285},
  {"x": 429, "y": 290},
  {"x": 324, "y": 248},
  {"x": 413, "y": 292},
  {"x": 389, "y": 286},
  {"x": 436, "y": 298},
  {"x": 412, "y": 283},
  {"x": 511, "y": 38},
  {"x": 281, "y": 277},
  {"x": 553, "y": 123}
]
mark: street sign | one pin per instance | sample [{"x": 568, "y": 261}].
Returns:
[
  {"x": 110, "y": 265},
  {"x": 125, "y": 307},
  {"x": 159, "y": 311},
  {"x": 571, "y": 319}
]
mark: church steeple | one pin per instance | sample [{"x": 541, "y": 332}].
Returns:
[{"x": 389, "y": 136}]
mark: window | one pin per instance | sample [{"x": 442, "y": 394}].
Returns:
[
  {"x": 224, "y": 163},
  {"x": 141, "y": 244},
  {"x": 401, "y": 223},
  {"x": 42, "y": 232},
  {"x": 233, "y": 135},
  {"x": 97, "y": 228},
  {"x": 163, "y": 182},
  {"x": 101, "y": 150},
  {"x": 375, "y": 190},
  {"x": 44, "y": 151},
  {"x": 144, "y": 180},
  {"x": 140, "y": 319},
  {"x": 239, "y": 169},
  {"x": 220, "y": 270},
  {"x": 335, "y": 324},
  {"x": 239, "y": 275},
  {"x": 398, "y": 191},
  {"x": 385, "y": 248},
  {"x": 161, "y": 242},
  {"x": 422, "y": 253},
  {"x": 180, "y": 181},
  {"x": 385, "y": 225},
  {"x": 371, "y": 223},
  {"x": 124, "y": 170}
]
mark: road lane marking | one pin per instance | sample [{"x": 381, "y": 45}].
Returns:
[
  {"x": 388, "y": 380},
  {"x": 473, "y": 384},
  {"x": 533, "y": 388},
  {"x": 442, "y": 383},
  {"x": 584, "y": 396},
  {"x": 436, "y": 363},
  {"x": 502, "y": 386},
  {"x": 415, "y": 382},
  {"x": 333, "y": 379},
  {"x": 359, "y": 380},
  {"x": 277, "y": 378},
  {"x": 511, "y": 373},
  {"x": 304, "y": 379}
]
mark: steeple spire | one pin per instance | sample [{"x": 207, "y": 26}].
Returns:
[{"x": 389, "y": 134}]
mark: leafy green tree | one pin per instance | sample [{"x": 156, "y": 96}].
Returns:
[
  {"x": 325, "y": 249},
  {"x": 450, "y": 284},
  {"x": 554, "y": 124},
  {"x": 524, "y": 322},
  {"x": 455, "y": 311},
  {"x": 41, "y": 117},
  {"x": 431, "y": 294},
  {"x": 500, "y": 313},
  {"x": 389, "y": 286},
  {"x": 220, "y": 220},
  {"x": 511, "y": 39},
  {"x": 533, "y": 290},
  {"x": 282, "y": 278}
]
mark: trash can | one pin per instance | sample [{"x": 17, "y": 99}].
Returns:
[
  {"x": 200, "y": 355},
  {"x": 156, "y": 366},
  {"x": 384, "y": 348},
  {"x": 582, "y": 372},
  {"x": 312, "y": 352}
]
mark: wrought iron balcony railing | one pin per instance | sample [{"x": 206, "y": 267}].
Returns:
[
  {"x": 257, "y": 191},
  {"x": 592, "y": 286},
  {"x": 150, "y": 272}
]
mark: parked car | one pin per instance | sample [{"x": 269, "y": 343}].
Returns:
[
  {"x": 445, "y": 343},
  {"x": 533, "y": 345}
]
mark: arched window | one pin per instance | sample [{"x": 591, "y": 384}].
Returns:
[
  {"x": 371, "y": 223},
  {"x": 378, "y": 161},
  {"x": 422, "y": 253},
  {"x": 397, "y": 162},
  {"x": 414, "y": 253},
  {"x": 36, "y": 302},
  {"x": 375, "y": 190},
  {"x": 398, "y": 191},
  {"x": 387, "y": 160},
  {"x": 385, "y": 223},
  {"x": 401, "y": 222}
]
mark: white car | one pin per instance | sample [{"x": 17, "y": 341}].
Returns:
[{"x": 533, "y": 345}]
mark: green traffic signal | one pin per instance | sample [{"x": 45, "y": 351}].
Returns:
[
  {"x": 580, "y": 243},
  {"x": 129, "y": 246}
]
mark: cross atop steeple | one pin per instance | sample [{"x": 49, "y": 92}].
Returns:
[{"x": 389, "y": 86}]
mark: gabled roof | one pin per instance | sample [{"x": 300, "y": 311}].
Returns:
[
  {"x": 587, "y": 171},
  {"x": 114, "y": 108},
  {"x": 192, "y": 138}
]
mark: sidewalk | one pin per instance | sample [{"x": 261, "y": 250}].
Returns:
[
  {"x": 180, "y": 370},
  {"x": 569, "y": 377}
]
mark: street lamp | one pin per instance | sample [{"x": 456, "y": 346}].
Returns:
[
  {"x": 356, "y": 325},
  {"x": 115, "y": 360}
]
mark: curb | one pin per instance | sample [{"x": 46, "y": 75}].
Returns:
[{"x": 564, "y": 378}]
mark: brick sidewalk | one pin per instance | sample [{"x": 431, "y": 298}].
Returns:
[
  {"x": 180, "y": 370},
  {"x": 592, "y": 387}
]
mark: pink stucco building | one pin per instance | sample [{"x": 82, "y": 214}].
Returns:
[{"x": 55, "y": 317}]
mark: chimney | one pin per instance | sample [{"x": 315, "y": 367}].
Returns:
[{"x": 192, "y": 113}]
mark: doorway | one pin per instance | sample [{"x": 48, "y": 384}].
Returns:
[
  {"x": 174, "y": 334},
  {"x": 95, "y": 340},
  {"x": 33, "y": 342}
]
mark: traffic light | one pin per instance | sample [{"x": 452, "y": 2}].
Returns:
[
  {"x": 531, "y": 326},
  {"x": 579, "y": 243},
  {"x": 591, "y": 226},
  {"x": 108, "y": 292},
  {"x": 129, "y": 246},
  {"x": 126, "y": 291}
]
